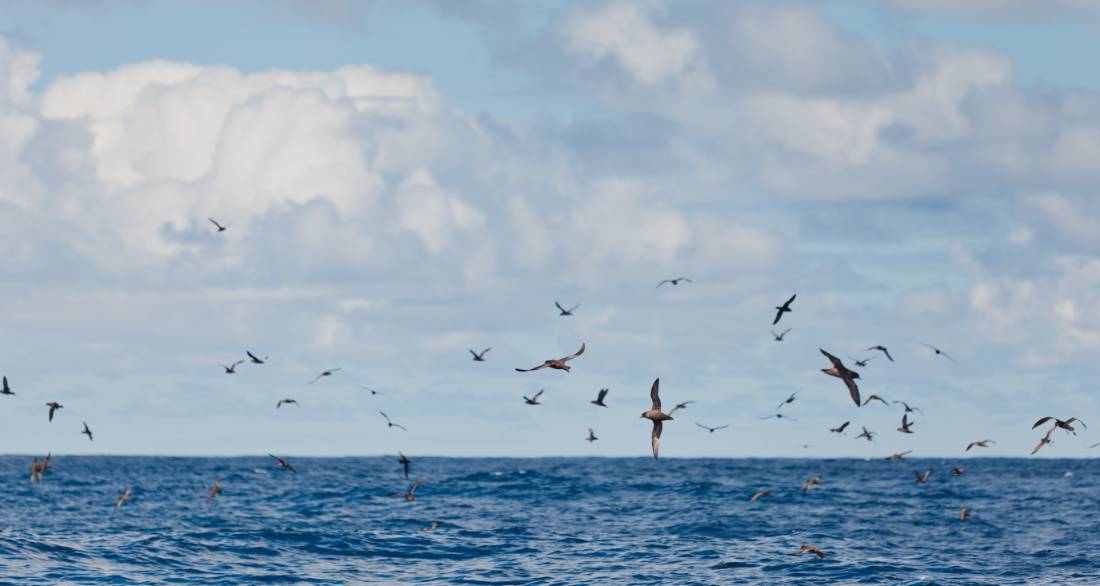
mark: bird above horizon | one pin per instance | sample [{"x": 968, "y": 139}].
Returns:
[
  {"x": 655, "y": 415},
  {"x": 87, "y": 431},
  {"x": 54, "y": 406},
  {"x": 281, "y": 463},
  {"x": 390, "y": 423},
  {"x": 232, "y": 368},
  {"x": 785, "y": 308},
  {"x": 324, "y": 374},
  {"x": 840, "y": 428},
  {"x": 286, "y": 402},
  {"x": 938, "y": 352},
  {"x": 779, "y": 337},
  {"x": 900, "y": 456},
  {"x": 712, "y": 429},
  {"x": 6, "y": 389},
  {"x": 564, "y": 311},
  {"x": 861, "y": 363},
  {"x": 217, "y": 225},
  {"x": 404, "y": 461},
  {"x": 789, "y": 399},
  {"x": 867, "y": 434},
  {"x": 875, "y": 398},
  {"x": 840, "y": 371},
  {"x": 883, "y": 350},
  {"x": 675, "y": 281},
  {"x": 480, "y": 357},
  {"x": 679, "y": 406},
  {"x": 556, "y": 364},
  {"x": 535, "y": 399},
  {"x": 980, "y": 443},
  {"x": 600, "y": 397},
  {"x": 1044, "y": 441},
  {"x": 255, "y": 359},
  {"x": 591, "y": 436},
  {"x": 372, "y": 391},
  {"x": 778, "y": 416},
  {"x": 908, "y": 409},
  {"x": 906, "y": 425},
  {"x": 1066, "y": 425}
]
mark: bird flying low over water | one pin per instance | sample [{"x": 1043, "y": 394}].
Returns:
[
  {"x": 867, "y": 434},
  {"x": 599, "y": 398},
  {"x": 938, "y": 352},
  {"x": 1066, "y": 425},
  {"x": 1044, "y": 441},
  {"x": 655, "y": 415},
  {"x": 409, "y": 494},
  {"x": 232, "y": 368},
  {"x": 712, "y": 429},
  {"x": 255, "y": 359},
  {"x": 372, "y": 391},
  {"x": 848, "y": 376},
  {"x": 404, "y": 461},
  {"x": 779, "y": 337},
  {"x": 980, "y": 443},
  {"x": 324, "y": 374},
  {"x": 922, "y": 477},
  {"x": 956, "y": 471},
  {"x": 906, "y": 425},
  {"x": 812, "y": 482},
  {"x": 217, "y": 225},
  {"x": 591, "y": 436},
  {"x": 533, "y": 400},
  {"x": 675, "y": 281},
  {"x": 480, "y": 357},
  {"x": 286, "y": 402},
  {"x": 564, "y": 311},
  {"x": 759, "y": 494},
  {"x": 840, "y": 428},
  {"x": 6, "y": 389},
  {"x": 281, "y": 463},
  {"x": 811, "y": 549},
  {"x": 556, "y": 364},
  {"x": 54, "y": 406},
  {"x": 215, "y": 491},
  {"x": 680, "y": 406},
  {"x": 125, "y": 497},
  {"x": 899, "y": 456},
  {"x": 883, "y": 350},
  {"x": 785, "y": 308},
  {"x": 390, "y": 423},
  {"x": 788, "y": 400},
  {"x": 87, "y": 431},
  {"x": 875, "y": 398}
]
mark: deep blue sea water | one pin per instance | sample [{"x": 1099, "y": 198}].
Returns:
[{"x": 548, "y": 521}]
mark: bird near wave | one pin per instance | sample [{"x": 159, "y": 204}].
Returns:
[
  {"x": 759, "y": 495},
  {"x": 810, "y": 483},
  {"x": 283, "y": 464}
]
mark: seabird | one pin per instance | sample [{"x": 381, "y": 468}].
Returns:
[
  {"x": 779, "y": 337},
  {"x": 712, "y": 429},
  {"x": 390, "y": 423},
  {"x": 372, "y": 391},
  {"x": 283, "y": 463},
  {"x": 675, "y": 281},
  {"x": 956, "y": 471},
  {"x": 980, "y": 443},
  {"x": 861, "y": 363},
  {"x": 905, "y": 424},
  {"x": 409, "y": 496},
  {"x": 254, "y": 358},
  {"x": 938, "y": 351},
  {"x": 6, "y": 390},
  {"x": 432, "y": 527},
  {"x": 324, "y": 374},
  {"x": 964, "y": 513},
  {"x": 533, "y": 400},
  {"x": 404, "y": 461},
  {"x": 215, "y": 491},
  {"x": 87, "y": 431},
  {"x": 54, "y": 406},
  {"x": 840, "y": 371},
  {"x": 286, "y": 402},
  {"x": 564, "y": 311},
  {"x": 922, "y": 477},
  {"x": 599, "y": 398},
  {"x": 232, "y": 368},
  {"x": 811, "y": 549},
  {"x": 900, "y": 456},
  {"x": 217, "y": 225},
  {"x": 875, "y": 398},
  {"x": 558, "y": 364},
  {"x": 759, "y": 494},
  {"x": 781, "y": 309},
  {"x": 814, "y": 481},
  {"x": 867, "y": 434},
  {"x": 680, "y": 406},
  {"x": 125, "y": 497},
  {"x": 908, "y": 409},
  {"x": 883, "y": 350},
  {"x": 788, "y": 399},
  {"x": 840, "y": 428},
  {"x": 1046, "y": 440},
  {"x": 480, "y": 357},
  {"x": 591, "y": 436},
  {"x": 778, "y": 416},
  {"x": 655, "y": 415},
  {"x": 1066, "y": 425}
]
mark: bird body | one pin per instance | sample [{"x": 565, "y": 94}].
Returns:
[
  {"x": 655, "y": 415},
  {"x": 964, "y": 514},
  {"x": 87, "y": 431},
  {"x": 843, "y": 373},
  {"x": 812, "y": 482},
  {"x": 281, "y": 463},
  {"x": 759, "y": 494},
  {"x": 811, "y": 549},
  {"x": 600, "y": 397},
  {"x": 866, "y": 434},
  {"x": 409, "y": 494},
  {"x": 215, "y": 491},
  {"x": 557, "y": 363},
  {"x": 785, "y": 308},
  {"x": 591, "y": 436},
  {"x": 125, "y": 497},
  {"x": 905, "y": 424},
  {"x": 535, "y": 399},
  {"x": 480, "y": 357},
  {"x": 675, "y": 281}
]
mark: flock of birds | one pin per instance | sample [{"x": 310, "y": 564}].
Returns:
[{"x": 654, "y": 413}]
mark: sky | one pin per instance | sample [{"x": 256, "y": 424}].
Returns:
[{"x": 405, "y": 181}]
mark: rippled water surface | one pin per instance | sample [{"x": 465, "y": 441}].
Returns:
[{"x": 548, "y": 521}]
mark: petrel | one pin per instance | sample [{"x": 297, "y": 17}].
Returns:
[
  {"x": 232, "y": 368},
  {"x": 533, "y": 400},
  {"x": 900, "y": 456},
  {"x": 1044, "y": 441},
  {"x": 813, "y": 550},
  {"x": 861, "y": 363},
  {"x": 215, "y": 491},
  {"x": 675, "y": 281},
  {"x": 372, "y": 391},
  {"x": 956, "y": 471},
  {"x": 480, "y": 357},
  {"x": 1066, "y": 425},
  {"x": 810, "y": 484},
  {"x": 390, "y": 423},
  {"x": 655, "y": 415},
  {"x": 785, "y": 308},
  {"x": 922, "y": 477},
  {"x": 54, "y": 406},
  {"x": 564, "y": 311},
  {"x": 286, "y": 402},
  {"x": 679, "y": 406},
  {"x": 599, "y": 398},
  {"x": 840, "y": 371},
  {"x": 404, "y": 461},
  {"x": 875, "y": 398},
  {"x": 281, "y": 463},
  {"x": 778, "y": 416},
  {"x": 87, "y": 431},
  {"x": 254, "y": 358},
  {"x": 217, "y": 225},
  {"x": 556, "y": 364},
  {"x": 867, "y": 434},
  {"x": 6, "y": 390},
  {"x": 883, "y": 350},
  {"x": 712, "y": 429},
  {"x": 788, "y": 399},
  {"x": 759, "y": 494},
  {"x": 964, "y": 513},
  {"x": 591, "y": 436},
  {"x": 980, "y": 443},
  {"x": 324, "y": 374},
  {"x": 125, "y": 497},
  {"x": 840, "y": 428},
  {"x": 905, "y": 424},
  {"x": 908, "y": 409},
  {"x": 409, "y": 496},
  {"x": 779, "y": 337},
  {"x": 938, "y": 352}
]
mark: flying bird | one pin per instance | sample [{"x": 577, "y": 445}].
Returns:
[
  {"x": 779, "y": 337},
  {"x": 281, "y": 463},
  {"x": 480, "y": 357},
  {"x": 840, "y": 428},
  {"x": 217, "y": 225},
  {"x": 1066, "y": 425},
  {"x": 908, "y": 409},
  {"x": 938, "y": 352},
  {"x": 778, "y": 416},
  {"x": 956, "y": 471},
  {"x": 785, "y": 308},
  {"x": 125, "y": 497},
  {"x": 980, "y": 443},
  {"x": 6, "y": 390},
  {"x": 759, "y": 494},
  {"x": 87, "y": 431},
  {"x": 324, "y": 374},
  {"x": 372, "y": 391},
  {"x": 404, "y": 461},
  {"x": 788, "y": 399},
  {"x": 922, "y": 477},
  {"x": 680, "y": 406},
  {"x": 867, "y": 434},
  {"x": 875, "y": 398},
  {"x": 215, "y": 491},
  {"x": 811, "y": 549},
  {"x": 591, "y": 436},
  {"x": 1044, "y": 441},
  {"x": 900, "y": 456},
  {"x": 883, "y": 350},
  {"x": 840, "y": 371},
  {"x": 390, "y": 423},
  {"x": 564, "y": 311},
  {"x": 232, "y": 368},
  {"x": 556, "y": 364},
  {"x": 54, "y": 406},
  {"x": 861, "y": 363},
  {"x": 254, "y": 358},
  {"x": 286, "y": 402},
  {"x": 599, "y": 398},
  {"x": 655, "y": 415},
  {"x": 812, "y": 482},
  {"x": 712, "y": 429},
  {"x": 533, "y": 400},
  {"x": 409, "y": 496},
  {"x": 906, "y": 425},
  {"x": 675, "y": 281}
]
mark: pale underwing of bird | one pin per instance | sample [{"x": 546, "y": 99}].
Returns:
[
  {"x": 938, "y": 352},
  {"x": 712, "y": 429},
  {"x": 533, "y": 400},
  {"x": 812, "y": 482},
  {"x": 956, "y": 471},
  {"x": 125, "y": 497},
  {"x": 390, "y": 423},
  {"x": 324, "y": 374},
  {"x": 779, "y": 337},
  {"x": 843, "y": 373},
  {"x": 883, "y": 350},
  {"x": 215, "y": 491},
  {"x": 922, "y": 477},
  {"x": 655, "y": 415},
  {"x": 410, "y": 494},
  {"x": 1044, "y": 441},
  {"x": 964, "y": 514},
  {"x": 556, "y": 364},
  {"x": 759, "y": 494},
  {"x": 480, "y": 357},
  {"x": 600, "y": 397},
  {"x": 564, "y": 311},
  {"x": 286, "y": 402},
  {"x": 785, "y": 308}
]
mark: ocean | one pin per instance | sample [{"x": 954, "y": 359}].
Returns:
[{"x": 548, "y": 521}]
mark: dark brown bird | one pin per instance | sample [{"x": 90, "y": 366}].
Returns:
[
  {"x": 759, "y": 494},
  {"x": 867, "y": 434},
  {"x": 215, "y": 491},
  {"x": 392, "y": 424},
  {"x": 87, "y": 431},
  {"x": 54, "y": 406},
  {"x": 599, "y": 398},
  {"x": 404, "y": 461},
  {"x": 956, "y": 471},
  {"x": 675, "y": 281},
  {"x": 900, "y": 456},
  {"x": 779, "y": 337},
  {"x": 861, "y": 363},
  {"x": 964, "y": 514},
  {"x": 125, "y": 497},
  {"x": 778, "y": 416},
  {"x": 712, "y": 429},
  {"x": 533, "y": 400},
  {"x": 840, "y": 371},
  {"x": 875, "y": 398},
  {"x": 6, "y": 390},
  {"x": 883, "y": 350},
  {"x": 591, "y": 436},
  {"x": 480, "y": 357},
  {"x": 324, "y": 374},
  {"x": 785, "y": 308},
  {"x": 812, "y": 482},
  {"x": 232, "y": 368},
  {"x": 217, "y": 225},
  {"x": 37, "y": 469},
  {"x": 556, "y": 364},
  {"x": 788, "y": 399},
  {"x": 922, "y": 477},
  {"x": 938, "y": 352},
  {"x": 905, "y": 424},
  {"x": 409, "y": 496},
  {"x": 254, "y": 358},
  {"x": 840, "y": 428},
  {"x": 286, "y": 402},
  {"x": 980, "y": 443},
  {"x": 281, "y": 463},
  {"x": 908, "y": 409},
  {"x": 564, "y": 311},
  {"x": 655, "y": 415},
  {"x": 1066, "y": 425},
  {"x": 811, "y": 549}
]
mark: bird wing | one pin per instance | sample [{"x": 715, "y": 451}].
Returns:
[
  {"x": 686, "y": 279},
  {"x": 212, "y": 221},
  {"x": 537, "y": 395},
  {"x": 658, "y": 425},
  {"x": 703, "y": 426},
  {"x": 486, "y": 351},
  {"x": 722, "y": 426},
  {"x": 251, "y": 355},
  {"x": 948, "y": 356},
  {"x": 791, "y": 300},
  {"x": 887, "y": 353},
  {"x": 558, "y": 305},
  {"x": 1072, "y": 419},
  {"x": 475, "y": 354},
  {"x": 778, "y": 314},
  {"x": 412, "y": 488},
  {"x": 836, "y": 361},
  {"x": 929, "y": 346},
  {"x": 386, "y": 416},
  {"x": 317, "y": 378},
  {"x": 531, "y": 369},
  {"x": 853, "y": 390},
  {"x": 572, "y": 356},
  {"x": 403, "y": 428},
  {"x": 1041, "y": 421},
  {"x": 601, "y": 395},
  {"x": 662, "y": 283},
  {"x": 654, "y": 394}
]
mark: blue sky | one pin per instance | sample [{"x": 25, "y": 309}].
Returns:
[{"x": 404, "y": 181}]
